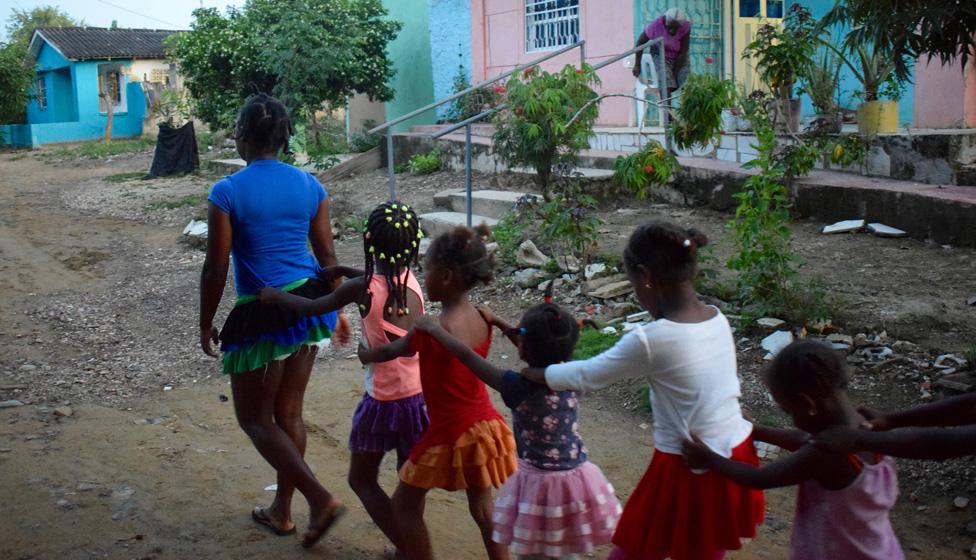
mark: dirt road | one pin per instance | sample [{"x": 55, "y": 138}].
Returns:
[{"x": 98, "y": 321}]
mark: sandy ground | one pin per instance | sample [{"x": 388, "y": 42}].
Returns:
[{"x": 98, "y": 315}]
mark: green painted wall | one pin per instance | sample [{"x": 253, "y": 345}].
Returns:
[{"x": 410, "y": 52}]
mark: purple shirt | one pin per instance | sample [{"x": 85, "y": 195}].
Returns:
[
  {"x": 848, "y": 524},
  {"x": 545, "y": 423},
  {"x": 672, "y": 43}
]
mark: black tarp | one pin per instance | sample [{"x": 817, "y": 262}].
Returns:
[{"x": 176, "y": 151}]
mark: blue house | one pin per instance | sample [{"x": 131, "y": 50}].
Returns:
[{"x": 80, "y": 71}]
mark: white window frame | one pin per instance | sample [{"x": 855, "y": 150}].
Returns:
[
  {"x": 551, "y": 24},
  {"x": 42, "y": 92}
]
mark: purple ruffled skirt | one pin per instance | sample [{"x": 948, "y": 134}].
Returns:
[{"x": 381, "y": 426}]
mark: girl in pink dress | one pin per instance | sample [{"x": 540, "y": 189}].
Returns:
[{"x": 844, "y": 498}]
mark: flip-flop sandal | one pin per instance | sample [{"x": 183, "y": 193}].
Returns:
[
  {"x": 260, "y": 516},
  {"x": 315, "y": 534}
]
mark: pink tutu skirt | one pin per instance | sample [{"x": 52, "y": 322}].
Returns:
[{"x": 556, "y": 513}]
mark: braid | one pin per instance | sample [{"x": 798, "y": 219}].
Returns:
[{"x": 392, "y": 236}]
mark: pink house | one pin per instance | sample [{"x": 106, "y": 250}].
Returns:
[
  {"x": 507, "y": 33},
  {"x": 945, "y": 96}
]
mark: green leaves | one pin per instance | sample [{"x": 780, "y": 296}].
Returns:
[
  {"x": 652, "y": 165},
  {"x": 305, "y": 53},
  {"x": 535, "y": 131},
  {"x": 698, "y": 118}
]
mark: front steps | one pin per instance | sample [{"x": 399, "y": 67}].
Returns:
[{"x": 488, "y": 207}]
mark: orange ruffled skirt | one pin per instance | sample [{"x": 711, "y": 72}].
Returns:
[
  {"x": 482, "y": 457},
  {"x": 675, "y": 513}
]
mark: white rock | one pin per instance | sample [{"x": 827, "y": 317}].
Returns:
[
  {"x": 882, "y": 230},
  {"x": 770, "y": 322},
  {"x": 196, "y": 229},
  {"x": 11, "y": 404},
  {"x": 568, "y": 263},
  {"x": 528, "y": 255},
  {"x": 528, "y": 277},
  {"x": 776, "y": 342},
  {"x": 940, "y": 362},
  {"x": 846, "y": 226},
  {"x": 608, "y": 330},
  {"x": 28, "y": 367},
  {"x": 595, "y": 270},
  {"x": 613, "y": 290},
  {"x": 639, "y": 316},
  {"x": 558, "y": 282},
  {"x": 960, "y": 502}
]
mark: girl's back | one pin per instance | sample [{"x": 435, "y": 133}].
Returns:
[
  {"x": 851, "y": 523},
  {"x": 400, "y": 378}
]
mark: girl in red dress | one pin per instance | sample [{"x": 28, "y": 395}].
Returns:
[{"x": 468, "y": 445}]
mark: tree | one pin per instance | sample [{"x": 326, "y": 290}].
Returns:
[
  {"x": 15, "y": 82},
  {"x": 903, "y": 30},
  {"x": 304, "y": 53},
  {"x": 22, "y": 23}
]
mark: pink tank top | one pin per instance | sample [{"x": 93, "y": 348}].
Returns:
[
  {"x": 396, "y": 379},
  {"x": 848, "y": 524}
]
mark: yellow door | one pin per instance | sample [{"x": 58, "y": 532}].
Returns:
[{"x": 747, "y": 17}]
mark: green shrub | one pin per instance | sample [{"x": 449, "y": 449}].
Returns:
[
  {"x": 538, "y": 129},
  {"x": 425, "y": 164},
  {"x": 509, "y": 234},
  {"x": 652, "y": 165},
  {"x": 698, "y": 118},
  {"x": 364, "y": 141}
]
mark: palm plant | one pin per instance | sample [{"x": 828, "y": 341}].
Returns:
[{"x": 820, "y": 82}]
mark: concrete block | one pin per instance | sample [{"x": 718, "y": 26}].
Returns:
[
  {"x": 437, "y": 223},
  {"x": 746, "y": 144},
  {"x": 726, "y": 154},
  {"x": 443, "y": 198},
  {"x": 878, "y": 162},
  {"x": 728, "y": 142},
  {"x": 493, "y": 204},
  {"x": 746, "y": 158}
]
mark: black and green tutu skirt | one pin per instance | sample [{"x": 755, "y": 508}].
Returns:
[{"x": 256, "y": 334}]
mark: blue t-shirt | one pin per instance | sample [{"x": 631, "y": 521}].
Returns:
[
  {"x": 271, "y": 207},
  {"x": 545, "y": 423}
]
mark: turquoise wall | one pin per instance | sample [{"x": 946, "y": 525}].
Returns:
[
  {"x": 72, "y": 113},
  {"x": 411, "y": 56},
  {"x": 450, "y": 45},
  {"x": 848, "y": 83}
]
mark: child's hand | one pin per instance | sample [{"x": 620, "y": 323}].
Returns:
[
  {"x": 268, "y": 295},
  {"x": 697, "y": 455},
  {"x": 427, "y": 324},
  {"x": 874, "y": 419},
  {"x": 487, "y": 315},
  {"x": 837, "y": 439},
  {"x": 536, "y": 375}
]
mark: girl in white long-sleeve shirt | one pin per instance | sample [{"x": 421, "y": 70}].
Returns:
[{"x": 688, "y": 358}]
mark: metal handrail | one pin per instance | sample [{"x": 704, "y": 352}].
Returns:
[
  {"x": 388, "y": 126},
  {"x": 468, "y": 121},
  {"x": 498, "y": 78}
]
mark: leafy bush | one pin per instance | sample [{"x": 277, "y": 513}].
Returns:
[
  {"x": 567, "y": 221},
  {"x": 471, "y": 104},
  {"x": 698, "y": 118},
  {"x": 784, "y": 54},
  {"x": 652, "y": 165},
  {"x": 425, "y": 164},
  {"x": 364, "y": 141},
  {"x": 509, "y": 234},
  {"x": 821, "y": 80},
  {"x": 16, "y": 76},
  {"x": 538, "y": 130}
]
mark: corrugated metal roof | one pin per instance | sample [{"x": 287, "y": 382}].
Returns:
[{"x": 88, "y": 43}]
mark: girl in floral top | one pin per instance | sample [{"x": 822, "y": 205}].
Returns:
[{"x": 557, "y": 505}]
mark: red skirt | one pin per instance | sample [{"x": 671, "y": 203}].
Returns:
[{"x": 675, "y": 513}]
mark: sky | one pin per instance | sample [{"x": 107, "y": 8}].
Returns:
[{"x": 151, "y": 14}]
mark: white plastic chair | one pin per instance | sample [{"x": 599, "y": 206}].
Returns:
[{"x": 640, "y": 90}]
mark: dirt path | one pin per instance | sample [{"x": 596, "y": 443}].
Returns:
[{"x": 98, "y": 314}]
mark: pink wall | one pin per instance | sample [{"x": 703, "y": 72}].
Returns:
[
  {"x": 945, "y": 96},
  {"x": 498, "y": 44}
]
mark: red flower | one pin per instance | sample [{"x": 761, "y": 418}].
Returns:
[
  {"x": 580, "y": 71},
  {"x": 709, "y": 60},
  {"x": 499, "y": 89},
  {"x": 648, "y": 169}
]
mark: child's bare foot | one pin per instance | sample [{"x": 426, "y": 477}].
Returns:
[
  {"x": 319, "y": 525},
  {"x": 267, "y": 518}
]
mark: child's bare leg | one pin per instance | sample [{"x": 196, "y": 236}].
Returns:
[
  {"x": 364, "y": 470},
  {"x": 408, "y": 510},
  {"x": 480, "y": 505},
  {"x": 288, "y": 416}
]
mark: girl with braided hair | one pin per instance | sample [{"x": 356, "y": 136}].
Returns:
[
  {"x": 265, "y": 216},
  {"x": 391, "y": 414},
  {"x": 687, "y": 355},
  {"x": 468, "y": 445},
  {"x": 557, "y": 505}
]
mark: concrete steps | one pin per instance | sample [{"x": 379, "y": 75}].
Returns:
[
  {"x": 490, "y": 203},
  {"x": 436, "y": 223}
]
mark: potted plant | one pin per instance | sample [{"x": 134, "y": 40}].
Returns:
[
  {"x": 820, "y": 83},
  {"x": 783, "y": 56},
  {"x": 876, "y": 74}
]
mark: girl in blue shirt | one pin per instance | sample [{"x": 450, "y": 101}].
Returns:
[{"x": 265, "y": 215}]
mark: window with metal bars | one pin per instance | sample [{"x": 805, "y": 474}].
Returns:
[
  {"x": 42, "y": 93},
  {"x": 551, "y": 24}
]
